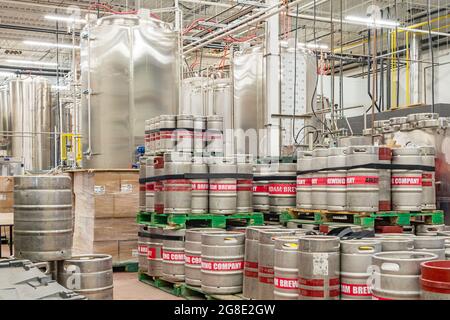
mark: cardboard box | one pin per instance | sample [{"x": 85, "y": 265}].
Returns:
[
  {"x": 126, "y": 205},
  {"x": 6, "y": 184},
  {"x": 6, "y": 201},
  {"x": 128, "y": 250},
  {"x": 94, "y": 206}
]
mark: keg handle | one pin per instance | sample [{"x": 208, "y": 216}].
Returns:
[
  {"x": 41, "y": 265},
  {"x": 366, "y": 248},
  {"x": 360, "y": 149},
  {"x": 230, "y": 240},
  {"x": 390, "y": 266},
  {"x": 290, "y": 245}
]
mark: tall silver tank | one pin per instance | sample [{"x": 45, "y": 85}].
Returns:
[
  {"x": 129, "y": 72},
  {"x": 43, "y": 221},
  {"x": 30, "y": 103},
  {"x": 5, "y": 122}
]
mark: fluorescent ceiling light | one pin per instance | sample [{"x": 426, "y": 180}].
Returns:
[
  {"x": 6, "y": 74},
  {"x": 51, "y": 45},
  {"x": 39, "y": 63},
  {"x": 313, "y": 46},
  {"x": 65, "y": 18},
  {"x": 372, "y": 22},
  {"x": 60, "y": 88}
]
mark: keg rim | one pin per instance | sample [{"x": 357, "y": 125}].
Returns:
[
  {"x": 319, "y": 237},
  {"x": 402, "y": 256},
  {"x": 85, "y": 257},
  {"x": 436, "y": 265}
]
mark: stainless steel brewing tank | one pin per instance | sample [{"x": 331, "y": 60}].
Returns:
[
  {"x": 30, "y": 103},
  {"x": 5, "y": 122},
  {"x": 43, "y": 221},
  {"x": 129, "y": 72}
]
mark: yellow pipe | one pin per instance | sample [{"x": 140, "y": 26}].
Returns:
[
  {"x": 393, "y": 71},
  {"x": 421, "y": 24}
]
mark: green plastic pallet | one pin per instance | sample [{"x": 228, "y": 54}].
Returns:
[
  {"x": 213, "y": 221},
  {"x": 368, "y": 220},
  {"x": 173, "y": 288}
]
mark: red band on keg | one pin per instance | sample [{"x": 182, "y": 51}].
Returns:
[
  {"x": 223, "y": 265},
  {"x": 150, "y": 187},
  {"x": 311, "y": 282},
  {"x": 159, "y": 208},
  {"x": 318, "y": 282},
  {"x": 356, "y": 290},
  {"x": 384, "y": 205},
  {"x": 200, "y": 186},
  {"x": 244, "y": 185},
  {"x": 261, "y": 189},
  {"x": 435, "y": 286},
  {"x": 251, "y": 274},
  {"x": 142, "y": 248},
  {"x": 303, "y": 182},
  {"x": 173, "y": 256},
  {"x": 285, "y": 283},
  {"x": 282, "y": 188},
  {"x": 151, "y": 253},
  {"x": 336, "y": 181},
  {"x": 250, "y": 264},
  {"x": 318, "y": 293},
  {"x": 266, "y": 280},
  {"x": 364, "y": 180},
  {"x": 222, "y": 187},
  {"x": 266, "y": 270},
  {"x": 406, "y": 181},
  {"x": 196, "y": 260},
  {"x": 318, "y": 181},
  {"x": 427, "y": 176},
  {"x": 427, "y": 183},
  {"x": 384, "y": 153},
  {"x": 158, "y": 163}
]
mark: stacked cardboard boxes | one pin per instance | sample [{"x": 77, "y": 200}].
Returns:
[
  {"x": 6, "y": 201},
  {"x": 106, "y": 203}
]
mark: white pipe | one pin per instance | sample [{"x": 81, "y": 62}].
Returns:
[
  {"x": 261, "y": 16},
  {"x": 233, "y": 28},
  {"x": 337, "y": 21}
]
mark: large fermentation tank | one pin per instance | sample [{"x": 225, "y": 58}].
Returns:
[
  {"x": 129, "y": 71},
  {"x": 248, "y": 90},
  {"x": 30, "y": 103},
  {"x": 5, "y": 122},
  {"x": 297, "y": 70}
]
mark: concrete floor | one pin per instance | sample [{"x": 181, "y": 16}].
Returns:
[{"x": 126, "y": 286}]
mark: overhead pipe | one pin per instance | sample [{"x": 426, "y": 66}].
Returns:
[{"x": 261, "y": 16}]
